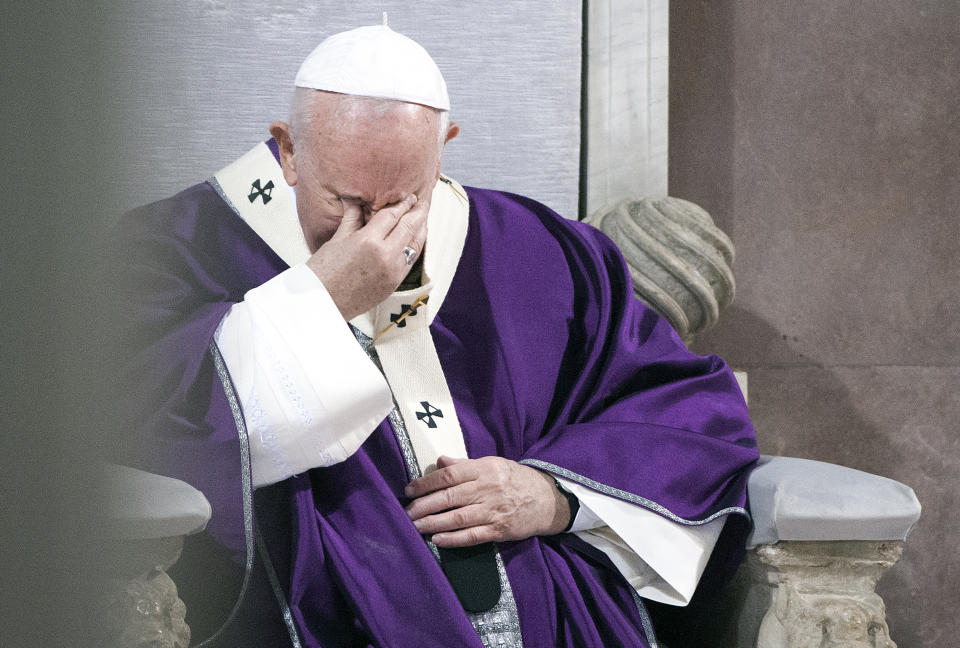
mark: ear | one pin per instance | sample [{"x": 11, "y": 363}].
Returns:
[
  {"x": 281, "y": 132},
  {"x": 452, "y": 132}
]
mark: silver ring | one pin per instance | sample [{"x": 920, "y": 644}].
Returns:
[{"x": 409, "y": 255}]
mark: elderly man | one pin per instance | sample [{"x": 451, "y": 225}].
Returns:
[{"x": 425, "y": 415}]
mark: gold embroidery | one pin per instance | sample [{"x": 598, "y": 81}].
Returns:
[
  {"x": 447, "y": 181},
  {"x": 420, "y": 301}
]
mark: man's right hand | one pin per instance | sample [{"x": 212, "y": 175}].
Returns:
[{"x": 362, "y": 264}]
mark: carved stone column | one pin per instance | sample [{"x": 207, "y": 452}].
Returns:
[
  {"x": 680, "y": 262},
  {"x": 148, "y": 518},
  {"x": 823, "y": 594},
  {"x": 141, "y": 608},
  {"x": 626, "y": 101}
]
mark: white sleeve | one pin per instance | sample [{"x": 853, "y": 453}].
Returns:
[
  {"x": 663, "y": 560},
  {"x": 309, "y": 393}
]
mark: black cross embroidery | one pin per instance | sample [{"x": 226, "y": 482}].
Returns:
[
  {"x": 430, "y": 412},
  {"x": 403, "y": 309},
  {"x": 264, "y": 193}
]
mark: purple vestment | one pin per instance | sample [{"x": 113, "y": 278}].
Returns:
[{"x": 550, "y": 361}]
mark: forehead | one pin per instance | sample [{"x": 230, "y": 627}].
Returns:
[
  {"x": 338, "y": 120},
  {"x": 374, "y": 150}
]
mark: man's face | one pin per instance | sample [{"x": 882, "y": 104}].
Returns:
[{"x": 367, "y": 152}]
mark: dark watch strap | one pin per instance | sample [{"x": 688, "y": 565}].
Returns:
[{"x": 572, "y": 501}]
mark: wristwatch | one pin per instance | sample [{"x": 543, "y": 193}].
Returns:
[{"x": 572, "y": 501}]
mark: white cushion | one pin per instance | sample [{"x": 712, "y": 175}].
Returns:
[
  {"x": 142, "y": 505},
  {"x": 800, "y": 499}
]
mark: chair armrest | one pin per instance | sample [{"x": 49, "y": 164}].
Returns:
[
  {"x": 801, "y": 499},
  {"x": 146, "y": 506},
  {"x": 146, "y": 517}
]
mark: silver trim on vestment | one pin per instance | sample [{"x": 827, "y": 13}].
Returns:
[
  {"x": 248, "y": 528},
  {"x": 645, "y": 619},
  {"x": 396, "y": 423},
  {"x": 406, "y": 449},
  {"x": 396, "y": 420},
  {"x": 627, "y": 496},
  {"x": 213, "y": 182},
  {"x": 246, "y": 485},
  {"x": 498, "y": 627},
  {"x": 278, "y": 593}
]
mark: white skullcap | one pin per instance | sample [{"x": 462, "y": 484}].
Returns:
[{"x": 375, "y": 61}]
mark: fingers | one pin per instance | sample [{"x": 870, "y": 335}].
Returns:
[
  {"x": 453, "y": 475},
  {"x": 400, "y": 226},
  {"x": 470, "y": 501},
  {"x": 443, "y": 500},
  {"x": 384, "y": 222},
  {"x": 467, "y": 537},
  {"x": 459, "y": 518},
  {"x": 420, "y": 239},
  {"x": 352, "y": 217},
  {"x": 410, "y": 229},
  {"x": 443, "y": 461}
]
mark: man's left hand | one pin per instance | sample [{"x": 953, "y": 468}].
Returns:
[{"x": 468, "y": 502}]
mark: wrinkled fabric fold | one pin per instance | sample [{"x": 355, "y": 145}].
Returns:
[{"x": 548, "y": 358}]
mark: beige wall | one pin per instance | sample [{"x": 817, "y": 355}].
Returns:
[{"x": 824, "y": 137}]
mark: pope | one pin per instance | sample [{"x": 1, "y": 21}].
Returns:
[{"x": 424, "y": 414}]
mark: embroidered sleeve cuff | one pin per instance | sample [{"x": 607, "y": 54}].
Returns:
[
  {"x": 310, "y": 394},
  {"x": 662, "y": 559}
]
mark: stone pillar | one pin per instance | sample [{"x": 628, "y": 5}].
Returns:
[
  {"x": 625, "y": 98},
  {"x": 148, "y": 516},
  {"x": 823, "y": 593},
  {"x": 141, "y": 607}
]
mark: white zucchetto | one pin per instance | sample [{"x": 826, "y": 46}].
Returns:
[{"x": 375, "y": 61}]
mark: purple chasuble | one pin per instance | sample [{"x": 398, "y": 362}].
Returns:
[{"x": 550, "y": 361}]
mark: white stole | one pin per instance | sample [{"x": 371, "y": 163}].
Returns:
[{"x": 405, "y": 348}]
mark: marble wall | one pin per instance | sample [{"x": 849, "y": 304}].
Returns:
[{"x": 824, "y": 138}]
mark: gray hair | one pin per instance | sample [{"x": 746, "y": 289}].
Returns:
[{"x": 302, "y": 113}]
